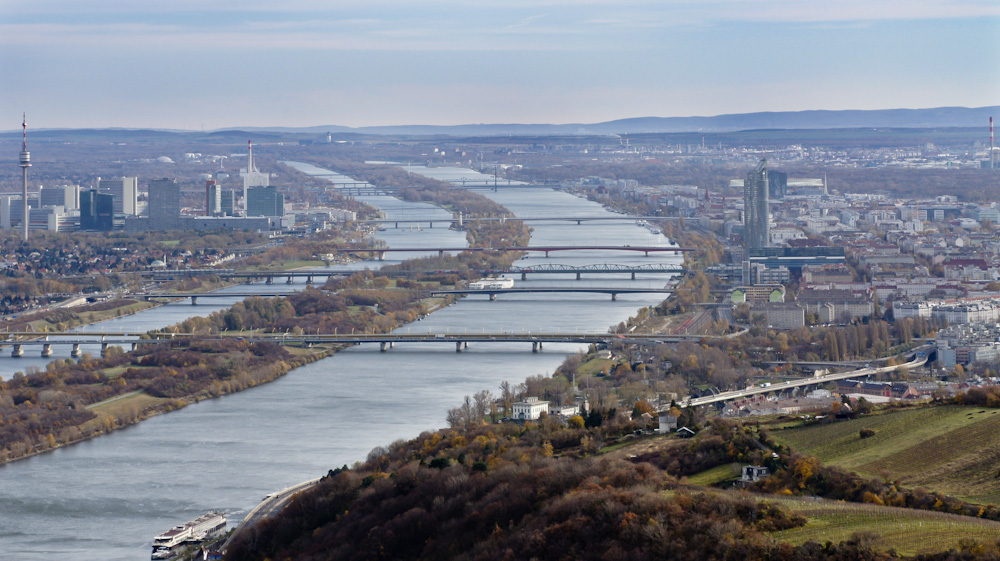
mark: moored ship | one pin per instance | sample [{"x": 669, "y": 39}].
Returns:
[{"x": 206, "y": 526}]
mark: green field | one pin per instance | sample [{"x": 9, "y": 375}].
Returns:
[
  {"x": 715, "y": 475},
  {"x": 908, "y": 531},
  {"x": 952, "y": 449}
]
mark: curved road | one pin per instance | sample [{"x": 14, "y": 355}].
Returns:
[
  {"x": 268, "y": 507},
  {"x": 737, "y": 394}
]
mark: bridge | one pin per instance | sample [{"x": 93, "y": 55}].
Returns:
[
  {"x": 310, "y": 274},
  {"x": 919, "y": 360},
  {"x": 194, "y": 296},
  {"x": 385, "y": 341},
  {"x": 492, "y": 292},
  {"x": 613, "y": 291},
  {"x": 460, "y": 220},
  {"x": 381, "y": 251}
]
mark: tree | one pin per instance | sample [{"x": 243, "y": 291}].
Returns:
[{"x": 483, "y": 399}]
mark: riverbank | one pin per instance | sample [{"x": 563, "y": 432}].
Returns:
[{"x": 47, "y": 410}]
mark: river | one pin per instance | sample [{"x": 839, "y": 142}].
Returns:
[{"x": 107, "y": 497}]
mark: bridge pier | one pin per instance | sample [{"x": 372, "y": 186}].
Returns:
[
  {"x": 458, "y": 346},
  {"x": 524, "y": 276},
  {"x": 397, "y": 225},
  {"x": 382, "y": 346},
  {"x": 578, "y": 222},
  {"x": 135, "y": 346},
  {"x": 536, "y": 346},
  {"x": 309, "y": 280},
  {"x": 614, "y": 296},
  {"x": 546, "y": 253},
  {"x": 104, "y": 349},
  {"x": 432, "y": 224},
  {"x": 17, "y": 351},
  {"x": 493, "y": 297},
  {"x": 381, "y": 256},
  {"x": 249, "y": 280},
  {"x": 289, "y": 281},
  {"x": 578, "y": 276},
  {"x": 76, "y": 352},
  {"x": 46, "y": 350},
  {"x": 270, "y": 280},
  {"x": 647, "y": 253},
  {"x": 633, "y": 275},
  {"x": 194, "y": 300}
]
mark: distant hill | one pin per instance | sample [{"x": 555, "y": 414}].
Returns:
[
  {"x": 891, "y": 118},
  {"x": 939, "y": 117}
]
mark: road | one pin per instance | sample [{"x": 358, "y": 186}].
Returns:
[
  {"x": 737, "y": 394},
  {"x": 268, "y": 507}
]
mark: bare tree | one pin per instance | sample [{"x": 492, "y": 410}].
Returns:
[{"x": 482, "y": 400}]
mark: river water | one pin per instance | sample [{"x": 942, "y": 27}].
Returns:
[{"x": 107, "y": 497}]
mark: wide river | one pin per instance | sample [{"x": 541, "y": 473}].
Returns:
[{"x": 107, "y": 497}]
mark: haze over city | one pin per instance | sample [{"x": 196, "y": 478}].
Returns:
[{"x": 208, "y": 65}]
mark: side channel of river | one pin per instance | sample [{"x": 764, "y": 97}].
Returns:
[{"x": 106, "y": 498}]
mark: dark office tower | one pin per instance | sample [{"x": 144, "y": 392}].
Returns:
[
  {"x": 213, "y": 198},
  {"x": 228, "y": 203},
  {"x": 265, "y": 201},
  {"x": 164, "y": 204},
  {"x": 777, "y": 185},
  {"x": 755, "y": 197},
  {"x": 97, "y": 211}
]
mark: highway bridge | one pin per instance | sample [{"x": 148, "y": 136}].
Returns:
[
  {"x": 613, "y": 291},
  {"x": 919, "y": 359},
  {"x": 381, "y": 251},
  {"x": 311, "y": 274},
  {"x": 385, "y": 341},
  {"x": 461, "y": 220}
]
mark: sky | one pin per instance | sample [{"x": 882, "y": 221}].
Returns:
[{"x": 211, "y": 64}]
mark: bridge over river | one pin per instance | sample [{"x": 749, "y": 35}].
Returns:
[
  {"x": 311, "y": 274},
  {"x": 385, "y": 340}
]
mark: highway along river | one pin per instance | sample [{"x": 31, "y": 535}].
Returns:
[{"x": 106, "y": 498}]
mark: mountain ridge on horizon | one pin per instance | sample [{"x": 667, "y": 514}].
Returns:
[{"x": 785, "y": 120}]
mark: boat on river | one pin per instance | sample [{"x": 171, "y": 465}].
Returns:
[
  {"x": 487, "y": 284},
  {"x": 206, "y": 526}
]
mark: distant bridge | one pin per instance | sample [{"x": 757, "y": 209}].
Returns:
[
  {"x": 310, "y": 274},
  {"x": 386, "y": 341},
  {"x": 381, "y": 251},
  {"x": 613, "y": 291},
  {"x": 456, "y": 220}
]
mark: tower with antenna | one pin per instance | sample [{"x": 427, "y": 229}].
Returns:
[{"x": 25, "y": 164}]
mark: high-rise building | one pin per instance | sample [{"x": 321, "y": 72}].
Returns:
[
  {"x": 125, "y": 191},
  {"x": 755, "y": 213},
  {"x": 164, "y": 204},
  {"x": 213, "y": 198},
  {"x": 227, "y": 205},
  {"x": 265, "y": 201},
  {"x": 97, "y": 211},
  {"x": 777, "y": 185},
  {"x": 67, "y": 196},
  {"x": 252, "y": 177}
]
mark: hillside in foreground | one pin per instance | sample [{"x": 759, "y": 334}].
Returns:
[
  {"x": 952, "y": 449},
  {"x": 544, "y": 491}
]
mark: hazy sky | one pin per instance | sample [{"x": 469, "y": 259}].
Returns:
[{"x": 213, "y": 64}]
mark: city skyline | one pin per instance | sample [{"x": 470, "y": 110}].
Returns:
[{"x": 184, "y": 66}]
